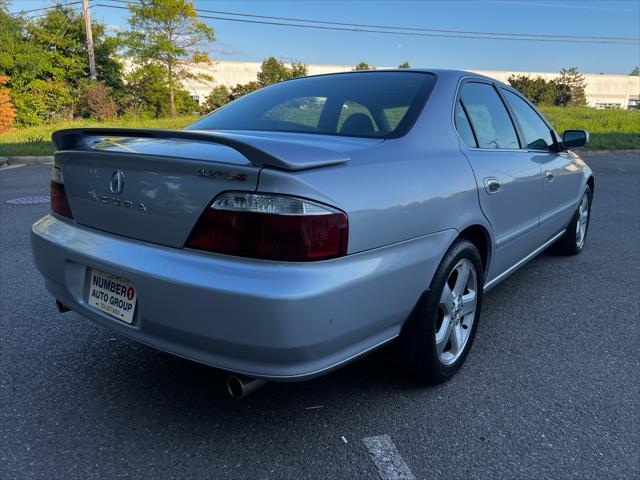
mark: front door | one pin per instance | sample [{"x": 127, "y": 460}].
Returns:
[
  {"x": 561, "y": 175},
  {"x": 509, "y": 180}
]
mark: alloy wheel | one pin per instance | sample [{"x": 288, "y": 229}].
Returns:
[
  {"x": 583, "y": 221},
  {"x": 456, "y": 311}
]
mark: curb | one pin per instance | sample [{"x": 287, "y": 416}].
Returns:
[
  {"x": 28, "y": 160},
  {"x": 609, "y": 152}
]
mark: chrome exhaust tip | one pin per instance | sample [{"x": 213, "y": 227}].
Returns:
[{"x": 240, "y": 387}]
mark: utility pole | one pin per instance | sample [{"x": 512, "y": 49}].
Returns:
[{"x": 87, "y": 25}]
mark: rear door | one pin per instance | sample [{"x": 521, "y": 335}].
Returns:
[
  {"x": 562, "y": 179},
  {"x": 509, "y": 180}
]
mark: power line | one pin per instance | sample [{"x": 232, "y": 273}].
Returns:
[
  {"x": 435, "y": 30},
  {"x": 392, "y": 32},
  {"x": 360, "y": 26},
  {"x": 22, "y": 12},
  {"x": 66, "y": 25}
]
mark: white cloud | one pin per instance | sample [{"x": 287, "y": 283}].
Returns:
[
  {"x": 112, "y": 28},
  {"x": 225, "y": 51}
]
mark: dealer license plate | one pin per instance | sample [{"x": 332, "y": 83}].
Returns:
[{"x": 112, "y": 295}]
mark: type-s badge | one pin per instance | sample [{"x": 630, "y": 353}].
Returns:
[{"x": 221, "y": 174}]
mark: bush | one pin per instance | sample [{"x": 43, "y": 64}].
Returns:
[
  {"x": 240, "y": 90},
  {"x": 96, "y": 102},
  {"x": 218, "y": 97},
  {"x": 7, "y": 110},
  {"x": 363, "y": 66},
  {"x": 567, "y": 90},
  {"x": 40, "y": 101}
]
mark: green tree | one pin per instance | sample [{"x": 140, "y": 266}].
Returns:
[
  {"x": 576, "y": 83},
  {"x": 242, "y": 89},
  {"x": 563, "y": 94},
  {"x": 218, "y": 97},
  {"x": 635, "y": 72},
  {"x": 49, "y": 55},
  {"x": 147, "y": 93},
  {"x": 363, "y": 66},
  {"x": 404, "y": 65},
  {"x": 167, "y": 33},
  {"x": 298, "y": 69},
  {"x": 538, "y": 90},
  {"x": 61, "y": 35},
  {"x": 272, "y": 71}
]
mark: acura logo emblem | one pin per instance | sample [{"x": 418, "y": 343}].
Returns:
[{"x": 116, "y": 185}]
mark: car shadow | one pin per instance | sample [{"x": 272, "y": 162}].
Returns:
[{"x": 138, "y": 376}]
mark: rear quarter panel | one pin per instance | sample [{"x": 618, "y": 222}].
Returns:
[{"x": 400, "y": 189}]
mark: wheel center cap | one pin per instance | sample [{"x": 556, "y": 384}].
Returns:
[{"x": 456, "y": 310}]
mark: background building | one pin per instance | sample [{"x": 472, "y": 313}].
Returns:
[{"x": 602, "y": 91}]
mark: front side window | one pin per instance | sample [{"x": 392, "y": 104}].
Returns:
[
  {"x": 535, "y": 131},
  {"x": 365, "y": 104},
  {"x": 488, "y": 116}
]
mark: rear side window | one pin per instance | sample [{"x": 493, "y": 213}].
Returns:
[
  {"x": 463, "y": 126},
  {"x": 394, "y": 115},
  {"x": 488, "y": 116},
  {"x": 535, "y": 131}
]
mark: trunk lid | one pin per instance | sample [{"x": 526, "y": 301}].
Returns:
[
  {"x": 153, "y": 185},
  {"x": 165, "y": 185}
]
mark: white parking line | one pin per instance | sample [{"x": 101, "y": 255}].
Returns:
[
  {"x": 9, "y": 167},
  {"x": 388, "y": 461}
]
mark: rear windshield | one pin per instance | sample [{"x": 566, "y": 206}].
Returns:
[{"x": 366, "y": 104}]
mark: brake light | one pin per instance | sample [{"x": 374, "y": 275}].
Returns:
[
  {"x": 274, "y": 227},
  {"x": 59, "y": 201}
]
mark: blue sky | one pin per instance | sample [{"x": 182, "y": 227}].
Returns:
[{"x": 250, "y": 42}]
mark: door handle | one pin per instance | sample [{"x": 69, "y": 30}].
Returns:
[
  {"x": 548, "y": 176},
  {"x": 492, "y": 185}
]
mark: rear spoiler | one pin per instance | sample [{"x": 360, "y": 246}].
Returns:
[{"x": 260, "y": 151}]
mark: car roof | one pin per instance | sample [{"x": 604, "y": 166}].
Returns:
[{"x": 450, "y": 74}]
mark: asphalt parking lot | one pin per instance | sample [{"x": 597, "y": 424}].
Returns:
[{"x": 550, "y": 389}]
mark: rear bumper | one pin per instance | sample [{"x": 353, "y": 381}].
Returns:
[{"x": 274, "y": 320}]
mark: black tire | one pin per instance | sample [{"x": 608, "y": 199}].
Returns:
[
  {"x": 569, "y": 243},
  {"x": 418, "y": 337}
]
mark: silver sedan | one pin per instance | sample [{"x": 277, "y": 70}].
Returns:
[{"x": 312, "y": 221}]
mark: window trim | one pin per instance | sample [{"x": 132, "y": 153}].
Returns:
[
  {"x": 466, "y": 115},
  {"x": 458, "y": 96}
]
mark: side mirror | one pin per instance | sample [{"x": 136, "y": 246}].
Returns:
[{"x": 575, "y": 138}]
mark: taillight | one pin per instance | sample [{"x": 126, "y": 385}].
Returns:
[
  {"x": 59, "y": 202},
  {"x": 274, "y": 227}
]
